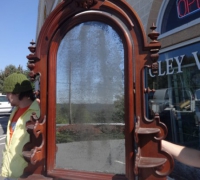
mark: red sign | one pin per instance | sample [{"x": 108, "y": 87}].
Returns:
[{"x": 186, "y": 7}]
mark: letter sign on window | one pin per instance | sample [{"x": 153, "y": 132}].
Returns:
[{"x": 186, "y": 7}]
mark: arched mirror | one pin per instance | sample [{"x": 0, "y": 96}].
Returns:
[
  {"x": 90, "y": 100},
  {"x": 91, "y": 56}
]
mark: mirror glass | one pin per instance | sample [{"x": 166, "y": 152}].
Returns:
[{"x": 90, "y": 100}]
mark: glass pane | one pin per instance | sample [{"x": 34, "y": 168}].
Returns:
[
  {"x": 176, "y": 99},
  {"x": 178, "y": 13},
  {"x": 90, "y": 100}
]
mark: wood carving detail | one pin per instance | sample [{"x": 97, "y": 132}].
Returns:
[
  {"x": 149, "y": 133},
  {"x": 36, "y": 177},
  {"x": 86, "y": 4},
  {"x": 154, "y": 49},
  {"x": 159, "y": 132},
  {"x": 33, "y": 150},
  {"x": 32, "y": 59}
]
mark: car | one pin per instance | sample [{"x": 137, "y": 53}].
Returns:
[
  {"x": 181, "y": 99},
  {"x": 159, "y": 101},
  {"x": 5, "y": 106}
]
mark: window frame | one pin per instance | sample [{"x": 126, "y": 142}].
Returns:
[{"x": 129, "y": 98}]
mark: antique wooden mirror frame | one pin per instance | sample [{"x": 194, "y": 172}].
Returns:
[{"x": 150, "y": 162}]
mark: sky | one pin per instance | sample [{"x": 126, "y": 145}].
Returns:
[{"x": 18, "y": 22}]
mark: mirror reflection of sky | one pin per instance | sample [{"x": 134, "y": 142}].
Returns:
[{"x": 95, "y": 54}]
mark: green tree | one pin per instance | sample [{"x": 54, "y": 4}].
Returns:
[
  {"x": 100, "y": 116},
  {"x": 9, "y": 70},
  {"x": 62, "y": 113},
  {"x": 81, "y": 114},
  {"x": 118, "y": 114}
]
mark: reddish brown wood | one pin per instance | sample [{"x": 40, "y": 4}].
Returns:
[
  {"x": 33, "y": 151},
  {"x": 150, "y": 162},
  {"x": 36, "y": 177},
  {"x": 148, "y": 148},
  {"x": 74, "y": 175}
]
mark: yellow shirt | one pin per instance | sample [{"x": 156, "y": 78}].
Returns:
[
  {"x": 18, "y": 113},
  {"x": 13, "y": 163}
]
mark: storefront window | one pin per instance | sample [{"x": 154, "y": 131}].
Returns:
[
  {"x": 178, "y": 13},
  {"x": 177, "y": 95}
]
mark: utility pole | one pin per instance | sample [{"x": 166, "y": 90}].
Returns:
[{"x": 70, "y": 108}]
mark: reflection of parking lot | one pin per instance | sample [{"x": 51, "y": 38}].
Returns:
[{"x": 104, "y": 156}]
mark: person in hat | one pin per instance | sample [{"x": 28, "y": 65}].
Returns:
[{"x": 19, "y": 92}]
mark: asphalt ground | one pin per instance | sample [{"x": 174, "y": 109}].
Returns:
[{"x": 3, "y": 126}]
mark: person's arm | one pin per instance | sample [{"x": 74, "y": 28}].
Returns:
[{"x": 183, "y": 154}]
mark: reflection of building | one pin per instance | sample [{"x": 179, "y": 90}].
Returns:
[{"x": 179, "y": 58}]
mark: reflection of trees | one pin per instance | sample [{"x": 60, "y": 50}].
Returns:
[
  {"x": 91, "y": 113},
  {"x": 100, "y": 116},
  {"x": 84, "y": 113},
  {"x": 81, "y": 114},
  {"x": 62, "y": 111},
  {"x": 118, "y": 113}
]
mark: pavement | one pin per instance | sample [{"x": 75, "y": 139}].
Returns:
[
  {"x": 105, "y": 156},
  {"x": 3, "y": 126}
]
